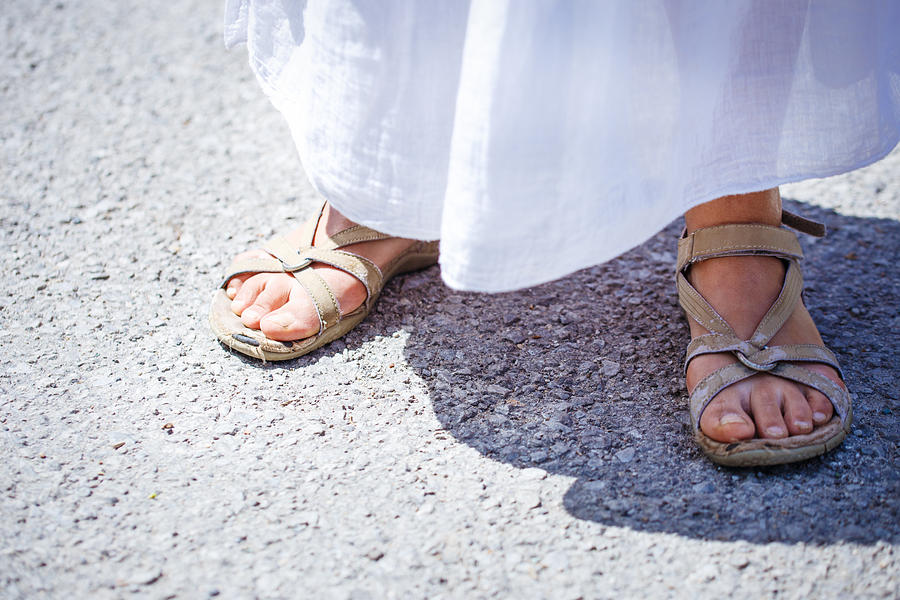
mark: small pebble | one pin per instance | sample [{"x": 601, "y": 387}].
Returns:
[
  {"x": 610, "y": 368},
  {"x": 626, "y": 455}
]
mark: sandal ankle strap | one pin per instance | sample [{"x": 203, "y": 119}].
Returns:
[
  {"x": 802, "y": 224},
  {"x": 746, "y": 239}
]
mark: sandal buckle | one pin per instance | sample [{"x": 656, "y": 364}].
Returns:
[
  {"x": 755, "y": 366},
  {"x": 299, "y": 266}
]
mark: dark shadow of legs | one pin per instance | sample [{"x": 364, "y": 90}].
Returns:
[{"x": 582, "y": 377}]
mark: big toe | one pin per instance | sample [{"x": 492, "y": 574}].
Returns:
[
  {"x": 260, "y": 295},
  {"x": 296, "y": 320},
  {"x": 725, "y": 420}
]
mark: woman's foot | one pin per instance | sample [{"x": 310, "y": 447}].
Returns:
[
  {"x": 277, "y": 304},
  {"x": 742, "y": 289}
]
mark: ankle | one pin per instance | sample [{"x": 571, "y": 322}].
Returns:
[
  {"x": 756, "y": 207},
  {"x": 334, "y": 221},
  {"x": 764, "y": 274}
]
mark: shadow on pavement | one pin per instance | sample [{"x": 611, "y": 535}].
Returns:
[{"x": 582, "y": 377}]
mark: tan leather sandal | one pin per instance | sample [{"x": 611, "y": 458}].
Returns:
[
  {"x": 755, "y": 355},
  {"x": 286, "y": 259}
]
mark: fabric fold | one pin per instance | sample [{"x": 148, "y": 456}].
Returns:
[{"x": 538, "y": 138}]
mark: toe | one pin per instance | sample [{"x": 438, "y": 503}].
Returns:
[
  {"x": 274, "y": 295},
  {"x": 282, "y": 325},
  {"x": 820, "y": 406},
  {"x": 765, "y": 404},
  {"x": 725, "y": 420},
  {"x": 287, "y": 324},
  {"x": 296, "y": 320},
  {"x": 797, "y": 414},
  {"x": 248, "y": 291},
  {"x": 234, "y": 284}
]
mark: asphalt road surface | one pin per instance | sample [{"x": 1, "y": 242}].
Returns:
[{"x": 455, "y": 445}]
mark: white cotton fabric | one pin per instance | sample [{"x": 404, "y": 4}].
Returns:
[{"x": 535, "y": 138}]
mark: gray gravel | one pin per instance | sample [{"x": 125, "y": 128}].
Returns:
[{"x": 531, "y": 444}]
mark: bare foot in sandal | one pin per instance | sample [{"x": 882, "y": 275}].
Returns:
[
  {"x": 742, "y": 289},
  {"x": 280, "y": 307}
]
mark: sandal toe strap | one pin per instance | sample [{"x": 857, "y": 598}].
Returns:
[
  {"x": 321, "y": 293},
  {"x": 718, "y": 380},
  {"x": 322, "y": 296},
  {"x": 283, "y": 259},
  {"x": 761, "y": 359},
  {"x": 298, "y": 260},
  {"x": 711, "y": 385},
  {"x": 293, "y": 259},
  {"x": 266, "y": 264},
  {"x": 805, "y": 353},
  {"x": 360, "y": 267},
  {"x": 838, "y": 396}
]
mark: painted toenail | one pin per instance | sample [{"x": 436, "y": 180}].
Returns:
[
  {"x": 731, "y": 419},
  {"x": 280, "y": 320},
  {"x": 775, "y": 431}
]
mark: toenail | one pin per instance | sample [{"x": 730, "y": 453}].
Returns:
[
  {"x": 730, "y": 419},
  {"x": 775, "y": 431},
  {"x": 280, "y": 320},
  {"x": 802, "y": 424},
  {"x": 231, "y": 292},
  {"x": 818, "y": 416},
  {"x": 250, "y": 313}
]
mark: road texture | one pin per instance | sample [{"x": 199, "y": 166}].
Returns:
[{"x": 529, "y": 445}]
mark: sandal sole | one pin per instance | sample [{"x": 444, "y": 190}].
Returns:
[{"x": 763, "y": 452}]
